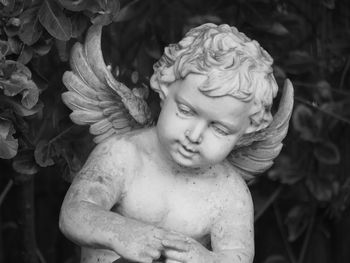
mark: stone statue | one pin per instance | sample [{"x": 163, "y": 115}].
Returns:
[{"x": 175, "y": 191}]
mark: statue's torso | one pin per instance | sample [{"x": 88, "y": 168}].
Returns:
[{"x": 178, "y": 202}]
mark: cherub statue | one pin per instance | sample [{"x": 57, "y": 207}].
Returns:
[{"x": 175, "y": 191}]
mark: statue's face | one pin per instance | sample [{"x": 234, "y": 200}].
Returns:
[{"x": 195, "y": 130}]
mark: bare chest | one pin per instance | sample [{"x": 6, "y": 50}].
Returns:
[{"x": 186, "y": 205}]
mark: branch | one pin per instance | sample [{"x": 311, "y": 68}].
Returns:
[
  {"x": 283, "y": 234},
  {"x": 269, "y": 201},
  {"x": 307, "y": 239},
  {"x": 332, "y": 114},
  {"x": 6, "y": 190}
]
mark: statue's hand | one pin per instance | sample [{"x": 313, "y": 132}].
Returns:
[
  {"x": 178, "y": 248},
  {"x": 140, "y": 242}
]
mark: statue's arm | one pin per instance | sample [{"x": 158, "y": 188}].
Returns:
[
  {"x": 86, "y": 218},
  {"x": 232, "y": 235}
]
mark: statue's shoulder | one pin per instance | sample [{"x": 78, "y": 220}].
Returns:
[
  {"x": 129, "y": 146},
  {"x": 233, "y": 183}
]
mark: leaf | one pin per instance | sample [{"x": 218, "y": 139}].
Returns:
[
  {"x": 79, "y": 24},
  {"x": 30, "y": 30},
  {"x": 74, "y": 5},
  {"x": 42, "y": 47},
  {"x": 26, "y": 55},
  {"x": 4, "y": 49},
  {"x": 24, "y": 163},
  {"x": 327, "y": 153},
  {"x": 8, "y": 144},
  {"x": 55, "y": 21},
  {"x": 62, "y": 49},
  {"x": 109, "y": 12},
  {"x": 42, "y": 154},
  {"x": 19, "y": 83},
  {"x": 18, "y": 108},
  {"x": 15, "y": 45},
  {"x": 12, "y": 8},
  {"x": 12, "y": 26}
]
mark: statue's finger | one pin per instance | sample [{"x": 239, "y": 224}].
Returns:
[
  {"x": 153, "y": 253},
  {"x": 175, "y": 236},
  {"x": 174, "y": 255},
  {"x": 176, "y": 244}
]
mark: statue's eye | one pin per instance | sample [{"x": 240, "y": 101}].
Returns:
[
  {"x": 220, "y": 130},
  {"x": 184, "y": 110}
]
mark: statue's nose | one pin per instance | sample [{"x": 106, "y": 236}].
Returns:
[{"x": 195, "y": 133}]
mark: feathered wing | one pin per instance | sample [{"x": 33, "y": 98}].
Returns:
[
  {"x": 258, "y": 157},
  {"x": 96, "y": 97}
]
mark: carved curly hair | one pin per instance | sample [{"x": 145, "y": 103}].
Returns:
[{"x": 235, "y": 66}]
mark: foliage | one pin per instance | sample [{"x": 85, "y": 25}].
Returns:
[{"x": 308, "y": 187}]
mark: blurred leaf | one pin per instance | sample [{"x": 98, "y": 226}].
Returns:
[
  {"x": 321, "y": 188},
  {"x": 5, "y": 2},
  {"x": 276, "y": 259},
  {"x": 277, "y": 29},
  {"x": 8, "y": 144},
  {"x": 42, "y": 154},
  {"x": 324, "y": 90},
  {"x": 55, "y": 21},
  {"x": 24, "y": 163},
  {"x": 327, "y": 152},
  {"x": 279, "y": 73},
  {"x": 285, "y": 171},
  {"x": 31, "y": 29},
  {"x": 299, "y": 62},
  {"x": 26, "y": 55},
  {"x": 297, "y": 220},
  {"x": 304, "y": 122},
  {"x": 330, "y": 4},
  {"x": 127, "y": 12}
]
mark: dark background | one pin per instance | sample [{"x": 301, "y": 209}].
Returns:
[{"x": 302, "y": 203}]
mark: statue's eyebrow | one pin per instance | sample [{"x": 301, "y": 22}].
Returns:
[
  {"x": 180, "y": 99},
  {"x": 231, "y": 126}
]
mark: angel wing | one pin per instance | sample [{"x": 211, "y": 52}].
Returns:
[
  {"x": 96, "y": 97},
  {"x": 258, "y": 157}
]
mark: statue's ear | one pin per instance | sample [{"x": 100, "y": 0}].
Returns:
[
  {"x": 259, "y": 119},
  {"x": 253, "y": 127},
  {"x": 160, "y": 87}
]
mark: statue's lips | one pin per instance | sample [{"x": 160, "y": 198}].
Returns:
[{"x": 187, "y": 151}]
